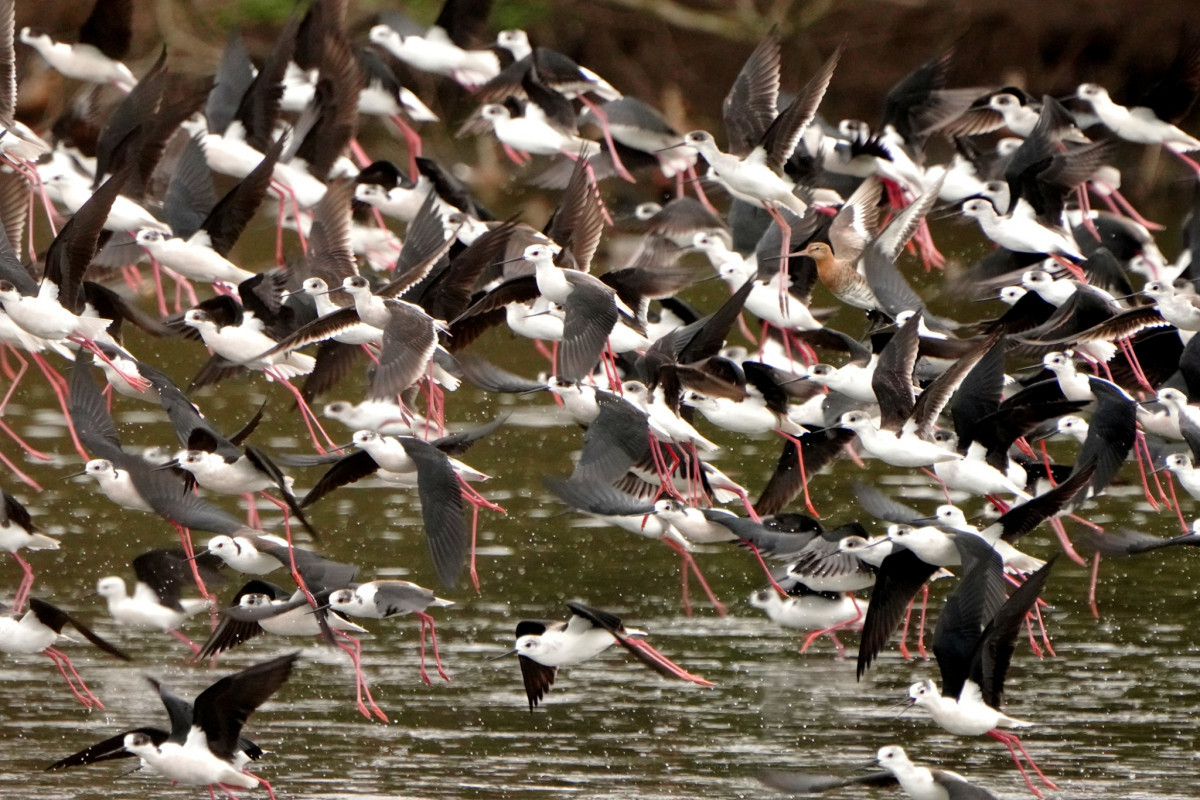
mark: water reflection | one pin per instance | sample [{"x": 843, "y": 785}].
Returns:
[{"x": 1116, "y": 704}]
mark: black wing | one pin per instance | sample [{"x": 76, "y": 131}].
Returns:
[
  {"x": 441, "y": 508},
  {"x": 55, "y": 618},
  {"x": 353, "y": 467},
  {"x": 590, "y": 316},
  {"x": 111, "y": 748},
  {"x": 996, "y": 646},
  {"x": 538, "y": 679},
  {"x": 900, "y": 577},
  {"x": 753, "y": 100},
  {"x": 810, "y": 783},
  {"x": 223, "y": 708},
  {"x": 972, "y": 604},
  {"x": 795, "y": 469}
]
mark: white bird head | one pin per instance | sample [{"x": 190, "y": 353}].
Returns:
[
  {"x": 100, "y": 467},
  {"x": 1057, "y": 361},
  {"x": 343, "y": 598},
  {"x": 978, "y": 208},
  {"x": 1178, "y": 461},
  {"x": 701, "y": 140},
  {"x": 1091, "y": 92},
  {"x": 1004, "y": 101},
  {"x": 922, "y": 693},
  {"x": 199, "y": 318},
  {"x": 384, "y": 35},
  {"x": 140, "y": 744},
  {"x": 854, "y": 420},
  {"x": 111, "y": 587},
  {"x": 892, "y": 756},
  {"x": 494, "y": 111},
  {"x": 149, "y": 236},
  {"x": 365, "y": 437},
  {"x": 541, "y": 252},
  {"x": 530, "y": 645},
  {"x": 765, "y": 598}
]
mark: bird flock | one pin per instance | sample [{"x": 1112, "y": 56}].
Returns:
[{"x": 391, "y": 275}]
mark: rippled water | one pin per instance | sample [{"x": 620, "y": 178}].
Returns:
[{"x": 1115, "y": 709}]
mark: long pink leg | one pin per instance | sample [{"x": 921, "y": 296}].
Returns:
[
  {"x": 20, "y": 475},
  {"x": 1017, "y": 741},
  {"x": 694, "y": 179},
  {"x": 309, "y": 416},
  {"x": 691, "y": 562},
  {"x": 1134, "y": 364},
  {"x": 412, "y": 139},
  {"x": 1086, "y": 207},
  {"x": 812, "y": 637},
  {"x": 476, "y": 500},
  {"x": 602, "y": 117},
  {"x": 135, "y": 382},
  {"x": 296, "y": 576},
  {"x": 265, "y": 784},
  {"x": 58, "y": 385},
  {"x": 921, "y": 623},
  {"x": 355, "y": 652},
  {"x": 359, "y": 154},
  {"x": 226, "y": 790},
  {"x": 660, "y": 467},
  {"x": 785, "y": 244},
  {"x": 808, "y": 504},
  {"x": 1067, "y": 547},
  {"x": 1002, "y": 737},
  {"x": 38, "y": 454},
  {"x": 1092, "y": 585},
  {"x": 516, "y": 156},
  {"x": 184, "y": 286},
  {"x": 685, "y": 594},
  {"x": 426, "y": 619},
  {"x": 1033, "y": 645},
  {"x": 60, "y": 658},
  {"x": 1183, "y": 526},
  {"x": 183, "y": 638},
  {"x": 286, "y": 194},
  {"x": 664, "y": 662},
  {"x": 1146, "y": 465},
  {"x": 189, "y": 550},
  {"x": 1191, "y": 164},
  {"x": 26, "y": 583},
  {"x": 750, "y": 509},
  {"x": 287, "y": 513},
  {"x": 31, "y": 174},
  {"x": 1042, "y": 627},
  {"x": 1012, "y": 739},
  {"x": 14, "y": 377},
  {"x": 766, "y": 569},
  {"x": 159, "y": 293},
  {"x": 904, "y": 633},
  {"x": 251, "y": 510}
]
